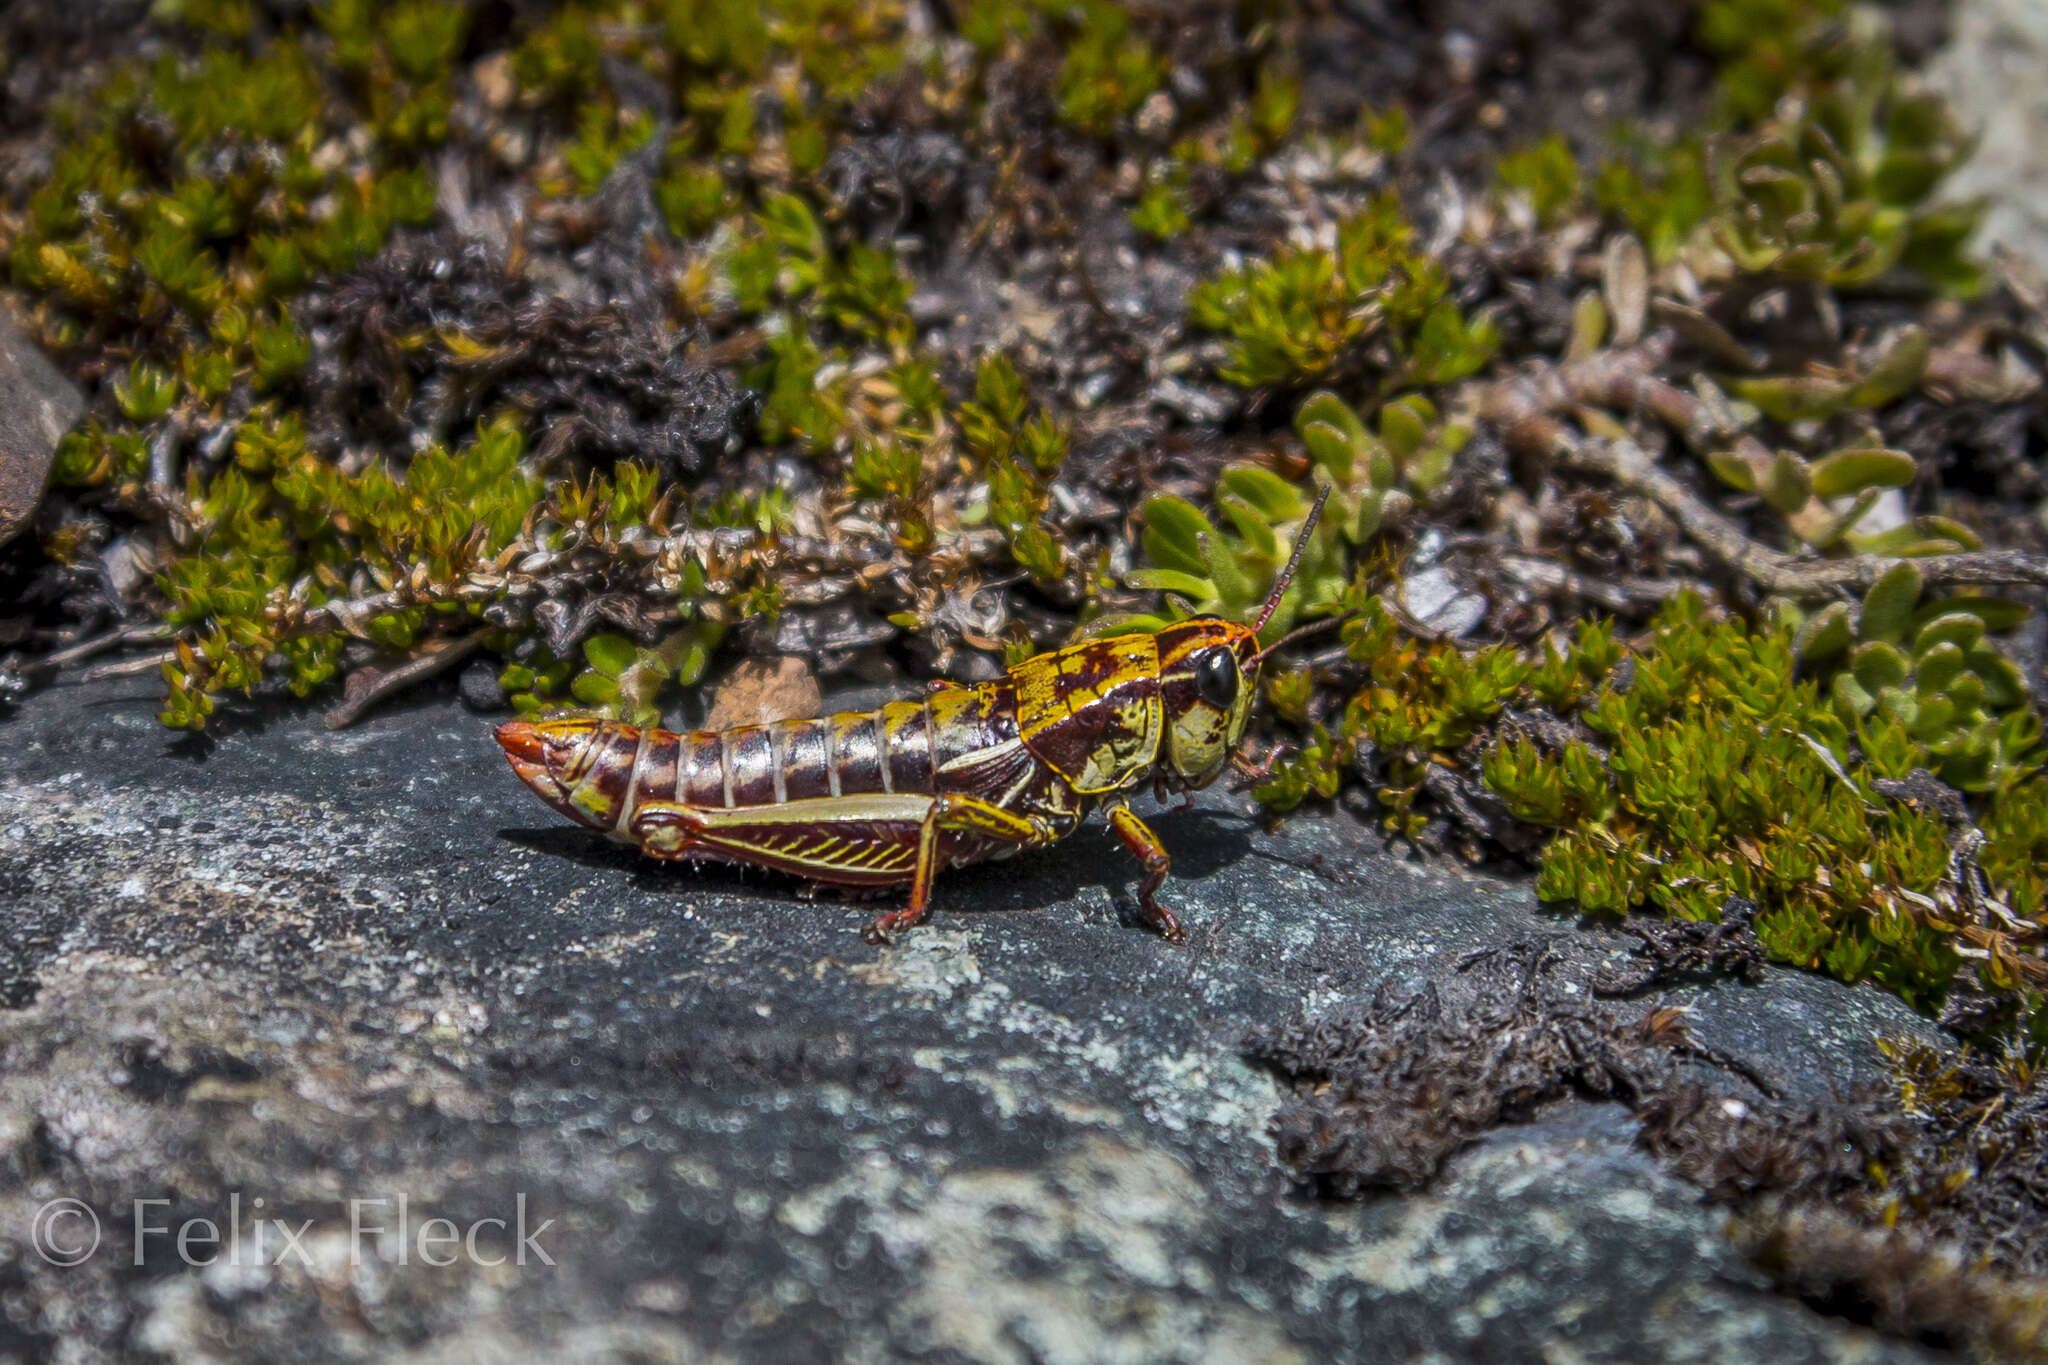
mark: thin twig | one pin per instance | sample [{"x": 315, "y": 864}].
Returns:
[
  {"x": 85, "y": 649},
  {"x": 1631, "y": 467},
  {"x": 125, "y": 668},
  {"x": 356, "y": 701},
  {"x": 1527, "y": 407}
]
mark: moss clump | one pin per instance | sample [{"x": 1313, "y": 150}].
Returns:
[
  {"x": 1205, "y": 570},
  {"x": 1020, "y": 456},
  {"x": 1817, "y": 161},
  {"x": 1370, "y": 302},
  {"x": 1546, "y": 173},
  {"x": 1704, "y": 767},
  {"x": 283, "y": 525}
]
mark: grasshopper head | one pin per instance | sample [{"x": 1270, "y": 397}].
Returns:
[
  {"x": 1209, "y": 673},
  {"x": 1208, "y": 676},
  {"x": 576, "y": 764}
]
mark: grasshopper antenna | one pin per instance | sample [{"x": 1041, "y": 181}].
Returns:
[
  {"x": 1327, "y": 623},
  {"x": 1293, "y": 561}
]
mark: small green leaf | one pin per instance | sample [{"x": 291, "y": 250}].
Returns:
[
  {"x": 1960, "y": 628},
  {"x": 1171, "y": 580},
  {"x": 1997, "y": 613},
  {"x": 1889, "y": 604},
  {"x": 1254, "y": 529},
  {"x": 611, "y": 655},
  {"x": 1233, "y": 585},
  {"x": 1798, "y": 398},
  {"x": 1330, "y": 448},
  {"x": 1327, "y": 408},
  {"x": 1276, "y": 499},
  {"x": 1878, "y": 665},
  {"x": 1936, "y": 669},
  {"x": 1825, "y": 635},
  {"x": 595, "y": 689},
  {"x": 1173, "y": 534},
  {"x": 1949, "y": 529},
  {"x": 1852, "y": 697},
  {"x": 2004, "y": 686},
  {"x": 1404, "y": 426},
  {"x": 1895, "y": 372},
  {"x": 1852, "y": 471},
  {"x": 1733, "y": 470},
  {"x": 1786, "y": 484}
]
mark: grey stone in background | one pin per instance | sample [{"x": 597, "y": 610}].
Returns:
[
  {"x": 311, "y": 967},
  {"x": 37, "y": 406},
  {"x": 1995, "y": 72}
]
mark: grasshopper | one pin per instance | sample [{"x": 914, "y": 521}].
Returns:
[{"x": 961, "y": 775}]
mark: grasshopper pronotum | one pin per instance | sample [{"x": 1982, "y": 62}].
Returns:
[{"x": 961, "y": 775}]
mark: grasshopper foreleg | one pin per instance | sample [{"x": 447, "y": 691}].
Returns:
[{"x": 1142, "y": 844}]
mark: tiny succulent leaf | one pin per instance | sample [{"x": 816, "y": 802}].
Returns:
[
  {"x": 1852, "y": 471},
  {"x": 610, "y": 654},
  {"x": 1825, "y": 634},
  {"x": 1888, "y": 606}
]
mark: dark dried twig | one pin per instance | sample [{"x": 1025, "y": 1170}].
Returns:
[
  {"x": 99, "y": 644},
  {"x": 1526, "y": 409},
  {"x": 359, "y": 697},
  {"x": 126, "y": 668},
  {"x": 1674, "y": 948}
]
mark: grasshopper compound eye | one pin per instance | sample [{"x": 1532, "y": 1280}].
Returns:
[{"x": 1216, "y": 678}]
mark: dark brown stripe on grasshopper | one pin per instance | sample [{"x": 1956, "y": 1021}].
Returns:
[
  {"x": 750, "y": 757},
  {"x": 660, "y": 767},
  {"x": 857, "y": 752},
  {"x": 703, "y": 775},
  {"x": 907, "y": 748},
  {"x": 806, "y": 774}
]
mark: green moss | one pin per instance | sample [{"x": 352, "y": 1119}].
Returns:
[
  {"x": 2016, "y": 847},
  {"x": 1205, "y": 570},
  {"x": 604, "y": 135},
  {"x": 1160, "y": 212},
  {"x": 208, "y": 210},
  {"x": 1371, "y": 303},
  {"x": 1546, "y": 173},
  {"x": 1718, "y": 766},
  {"x": 1109, "y": 69},
  {"x": 1020, "y": 456},
  {"x": 692, "y": 197}
]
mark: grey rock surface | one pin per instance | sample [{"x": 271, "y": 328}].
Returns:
[
  {"x": 310, "y": 968},
  {"x": 1992, "y": 72},
  {"x": 37, "y": 406}
]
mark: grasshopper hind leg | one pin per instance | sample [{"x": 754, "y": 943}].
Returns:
[
  {"x": 964, "y": 815},
  {"x": 902, "y": 841}
]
